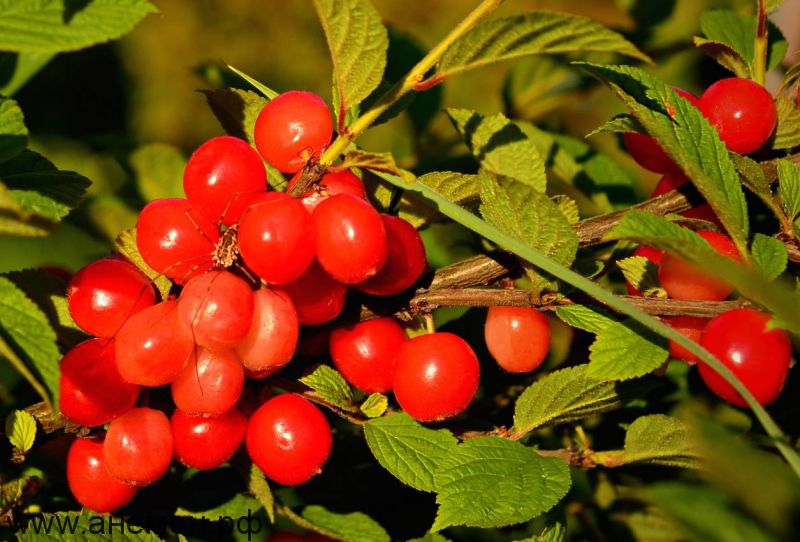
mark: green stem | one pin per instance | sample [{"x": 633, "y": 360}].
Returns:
[
  {"x": 760, "y": 50},
  {"x": 26, "y": 373},
  {"x": 406, "y": 84},
  {"x": 552, "y": 267}
]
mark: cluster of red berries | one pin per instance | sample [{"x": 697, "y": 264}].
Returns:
[{"x": 744, "y": 114}]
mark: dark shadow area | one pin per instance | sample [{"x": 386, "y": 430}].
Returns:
[{"x": 72, "y": 8}]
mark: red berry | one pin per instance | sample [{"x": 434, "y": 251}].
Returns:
[
  {"x": 331, "y": 184},
  {"x": 209, "y": 385},
  {"x": 89, "y": 481},
  {"x": 276, "y": 238},
  {"x": 271, "y": 341},
  {"x": 92, "y": 390},
  {"x": 692, "y": 327},
  {"x": 216, "y": 308},
  {"x": 105, "y": 293},
  {"x": 316, "y": 295},
  {"x": 436, "y": 376},
  {"x": 350, "y": 238},
  {"x": 207, "y": 443},
  {"x": 682, "y": 280},
  {"x": 152, "y": 347},
  {"x": 758, "y": 358},
  {"x": 289, "y": 439},
  {"x": 365, "y": 353},
  {"x": 219, "y": 169},
  {"x": 652, "y": 254},
  {"x": 138, "y": 447},
  {"x": 742, "y": 111},
  {"x": 405, "y": 260},
  {"x": 240, "y": 203},
  {"x": 175, "y": 239},
  {"x": 293, "y": 128},
  {"x": 673, "y": 181},
  {"x": 517, "y": 337}
]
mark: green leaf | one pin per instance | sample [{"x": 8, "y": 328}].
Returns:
[
  {"x": 586, "y": 317},
  {"x": 787, "y": 132},
  {"x": 26, "y": 332},
  {"x": 431, "y": 537},
  {"x": 755, "y": 181},
  {"x": 769, "y": 255},
  {"x": 537, "y": 33},
  {"x": 375, "y": 405},
  {"x": 259, "y": 86},
  {"x": 358, "y": 42},
  {"x": 25, "y": 66},
  {"x": 619, "y": 124},
  {"x": 52, "y": 26},
  {"x": 660, "y": 440},
  {"x": 14, "y": 492},
  {"x": 84, "y": 526},
  {"x": 642, "y": 274},
  {"x": 408, "y": 450},
  {"x": 159, "y": 171},
  {"x": 501, "y": 147},
  {"x": 236, "y": 110},
  {"x": 739, "y": 32},
  {"x": 726, "y": 55},
  {"x": 568, "y": 395},
  {"x": 125, "y": 244},
  {"x": 259, "y": 487},
  {"x": 789, "y": 188},
  {"x": 353, "y": 527},
  {"x": 21, "y": 430},
  {"x": 626, "y": 350},
  {"x": 375, "y": 161},
  {"x": 13, "y": 133},
  {"x": 568, "y": 208},
  {"x": 330, "y": 386},
  {"x": 687, "y": 136},
  {"x": 772, "y": 5},
  {"x": 494, "y": 482}
]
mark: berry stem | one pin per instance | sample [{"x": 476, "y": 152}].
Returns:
[
  {"x": 412, "y": 78},
  {"x": 760, "y": 49}
]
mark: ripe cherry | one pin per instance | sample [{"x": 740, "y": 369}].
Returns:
[
  {"x": 219, "y": 170},
  {"x": 682, "y": 280},
  {"x": 350, "y": 238},
  {"x": 405, "y": 260},
  {"x": 105, "y": 293},
  {"x": 138, "y": 447},
  {"x": 293, "y": 128},
  {"x": 331, "y": 184},
  {"x": 152, "y": 347},
  {"x": 217, "y": 309},
  {"x": 175, "y": 239},
  {"x": 652, "y": 254},
  {"x": 673, "y": 181},
  {"x": 365, "y": 353},
  {"x": 692, "y": 327},
  {"x": 210, "y": 384},
  {"x": 316, "y": 295},
  {"x": 517, "y": 337},
  {"x": 276, "y": 238},
  {"x": 436, "y": 376},
  {"x": 742, "y": 111},
  {"x": 757, "y": 357},
  {"x": 207, "y": 443},
  {"x": 271, "y": 341},
  {"x": 289, "y": 439},
  {"x": 89, "y": 481},
  {"x": 646, "y": 151},
  {"x": 92, "y": 390}
]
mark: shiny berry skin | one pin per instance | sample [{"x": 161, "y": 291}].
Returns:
[
  {"x": 682, "y": 280},
  {"x": 331, "y": 184},
  {"x": 240, "y": 203},
  {"x": 271, "y": 341},
  {"x": 92, "y": 390},
  {"x": 517, "y": 337},
  {"x": 105, "y": 293},
  {"x": 210, "y": 384},
  {"x": 742, "y": 111},
  {"x": 350, "y": 238},
  {"x": 293, "y": 128},
  {"x": 219, "y": 169},
  {"x": 365, "y": 353},
  {"x": 152, "y": 347},
  {"x": 289, "y": 439},
  {"x": 652, "y": 254},
  {"x": 89, "y": 481},
  {"x": 692, "y": 327},
  {"x": 175, "y": 239},
  {"x": 759, "y": 358},
  {"x": 276, "y": 238},
  {"x": 216, "y": 308},
  {"x": 405, "y": 260},
  {"x": 138, "y": 447},
  {"x": 646, "y": 151},
  {"x": 436, "y": 376},
  {"x": 207, "y": 443},
  {"x": 317, "y": 296}
]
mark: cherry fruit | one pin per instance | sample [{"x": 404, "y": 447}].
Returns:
[
  {"x": 683, "y": 280},
  {"x": 210, "y": 384},
  {"x": 673, "y": 181},
  {"x": 692, "y": 327},
  {"x": 138, "y": 447},
  {"x": 331, "y": 184},
  {"x": 316, "y": 295},
  {"x": 272, "y": 338},
  {"x": 207, "y": 443},
  {"x": 89, "y": 481},
  {"x": 517, "y": 337},
  {"x": 405, "y": 260}
]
